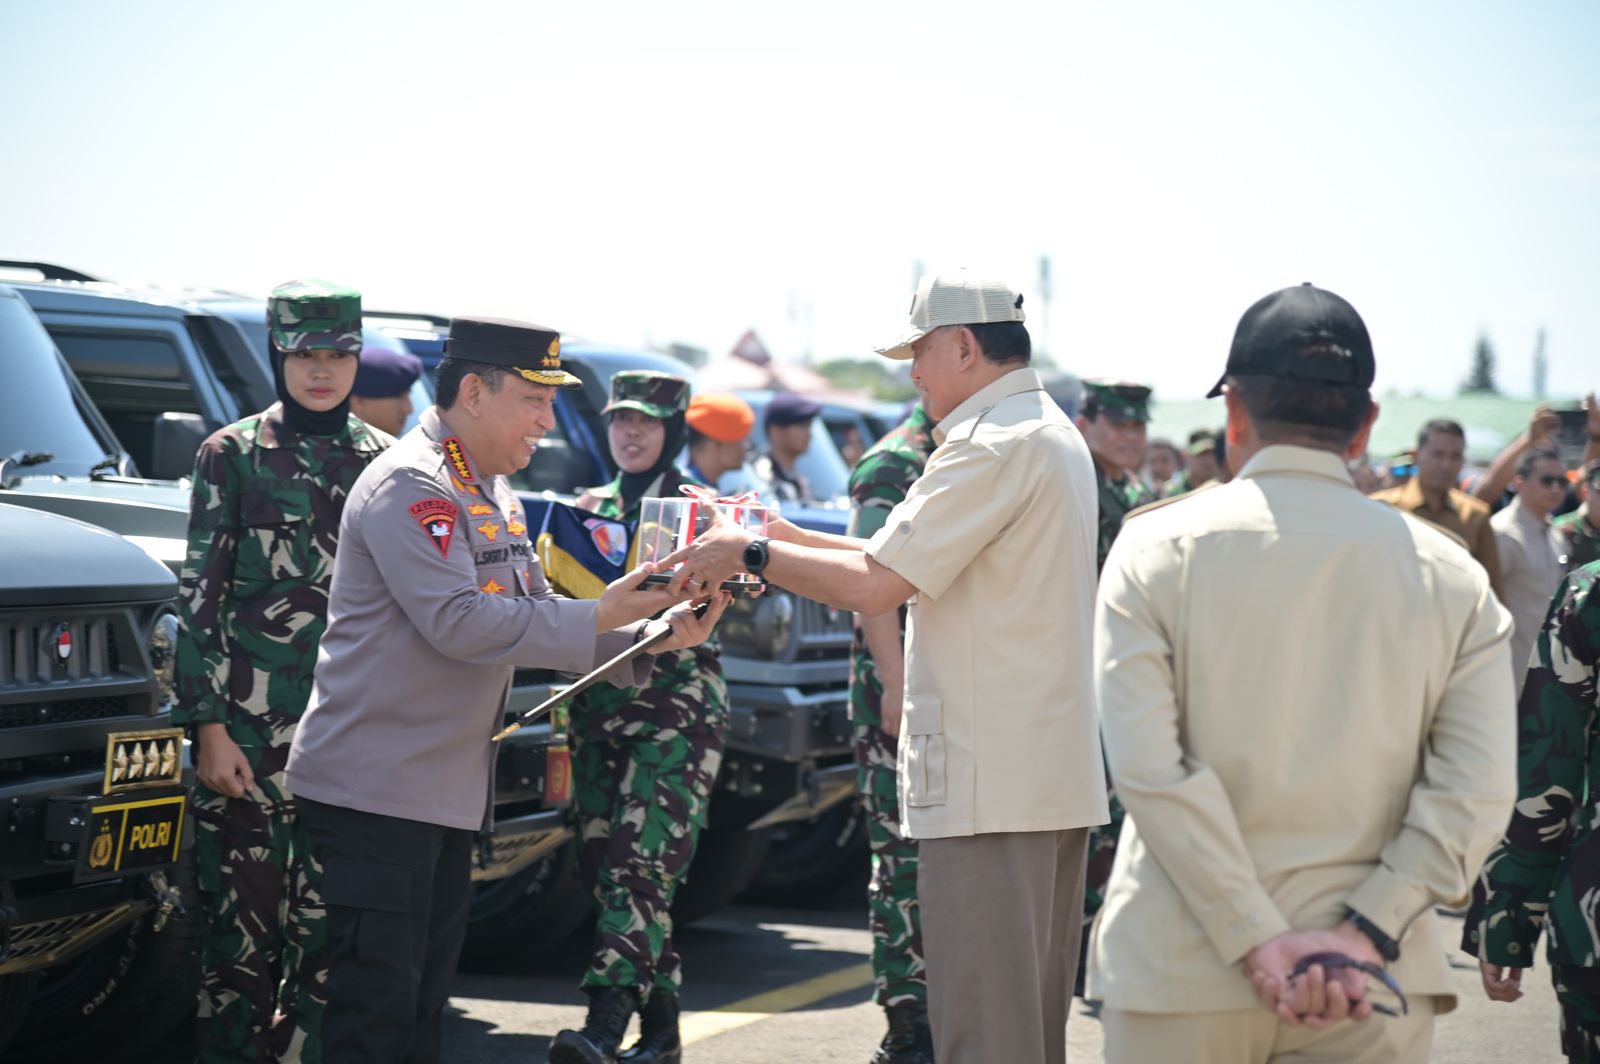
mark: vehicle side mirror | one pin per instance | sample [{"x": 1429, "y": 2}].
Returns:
[{"x": 175, "y": 441}]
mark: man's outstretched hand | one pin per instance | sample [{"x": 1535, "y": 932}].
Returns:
[
  {"x": 627, "y": 599},
  {"x": 687, "y": 629}
]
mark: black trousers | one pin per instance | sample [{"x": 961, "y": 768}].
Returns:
[{"x": 396, "y": 893}]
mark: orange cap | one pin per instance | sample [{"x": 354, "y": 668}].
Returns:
[{"x": 721, "y": 415}]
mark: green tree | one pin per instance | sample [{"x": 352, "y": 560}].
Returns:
[
  {"x": 871, "y": 375},
  {"x": 1480, "y": 378}
]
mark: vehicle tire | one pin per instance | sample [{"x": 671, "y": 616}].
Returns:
[
  {"x": 810, "y": 862},
  {"x": 124, "y": 996},
  {"x": 513, "y": 919},
  {"x": 726, "y": 859},
  {"x": 16, "y": 993}
]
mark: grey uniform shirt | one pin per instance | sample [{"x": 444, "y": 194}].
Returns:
[
  {"x": 1531, "y": 567},
  {"x": 437, "y": 598}
]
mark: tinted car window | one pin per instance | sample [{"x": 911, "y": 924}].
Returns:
[
  {"x": 41, "y": 414},
  {"x": 137, "y": 356}
]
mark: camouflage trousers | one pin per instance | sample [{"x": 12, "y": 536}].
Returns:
[
  {"x": 641, "y": 801},
  {"x": 264, "y": 965},
  {"x": 899, "y": 973},
  {"x": 1578, "y": 993}
]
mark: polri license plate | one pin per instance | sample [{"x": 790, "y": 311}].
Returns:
[{"x": 125, "y": 833}]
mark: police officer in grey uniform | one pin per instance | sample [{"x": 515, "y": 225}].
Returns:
[{"x": 437, "y": 597}]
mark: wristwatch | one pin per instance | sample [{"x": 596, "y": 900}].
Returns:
[
  {"x": 755, "y": 556},
  {"x": 1387, "y": 947}
]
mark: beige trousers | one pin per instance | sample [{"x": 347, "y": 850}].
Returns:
[
  {"x": 1255, "y": 1036},
  {"x": 1002, "y": 916}
]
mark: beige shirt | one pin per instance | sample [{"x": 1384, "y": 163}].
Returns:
[
  {"x": 1531, "y": 568},
  {"x": 1306, "y": 707},
  {"x": 998, "y": 537}
]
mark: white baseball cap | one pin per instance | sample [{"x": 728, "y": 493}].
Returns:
[{"x": 955, "y": 297}]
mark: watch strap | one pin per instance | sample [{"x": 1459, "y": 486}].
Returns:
[{"x": 1387, "y": 947}]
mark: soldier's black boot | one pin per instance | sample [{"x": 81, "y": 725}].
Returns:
[
  {"x": 910, "y": 1040},
  {"x": 658, "y": 1032},
  {"x": 603, "y": 1030}
]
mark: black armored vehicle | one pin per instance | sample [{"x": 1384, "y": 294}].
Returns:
[{"x": 100, "y": 932}]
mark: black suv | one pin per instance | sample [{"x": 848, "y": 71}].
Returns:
[{"x": 100, "y": 931}]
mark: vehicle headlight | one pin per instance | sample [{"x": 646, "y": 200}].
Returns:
[
  {"x": 773, "y": 623},
  {"x": 761, "y": 628},
  {"x": 164, "y": 654}
]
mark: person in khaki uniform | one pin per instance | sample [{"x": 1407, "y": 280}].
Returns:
[
  {"x": 1319, "y": 771},
  {"x": 437, "y": 598},
  {"x": 999, "y": 754},
  {"x": 1432, "y": 495}
]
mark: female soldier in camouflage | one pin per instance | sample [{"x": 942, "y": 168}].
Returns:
[
  {"x": 263, "y": 526},
  {"x": 644, "y": 761}
]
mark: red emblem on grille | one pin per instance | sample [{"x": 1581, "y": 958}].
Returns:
[{"x": 58, "y": 641}]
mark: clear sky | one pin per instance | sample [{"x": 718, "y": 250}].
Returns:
[{"x": 648, "y": 172}]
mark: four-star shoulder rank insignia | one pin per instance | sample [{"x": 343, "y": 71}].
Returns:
[
  {"x": 480, "y": 509},
  {"x": 492, "y": 587},
  {"x": 458, "y": 459},
  {"x": 489, "y": 530},
  {"x": 515, "y": 527}
]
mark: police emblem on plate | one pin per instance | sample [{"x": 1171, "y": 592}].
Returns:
[{"x": 100, "y": 852}]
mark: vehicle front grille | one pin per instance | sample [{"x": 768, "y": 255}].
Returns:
[
  {"x": 824, "y": 631},
  {"x": 46, "y": 942},
  {"x": 28, "y": 659},
  {"x": 66, "y": 712},
  {"x": 536, "y": 677}
]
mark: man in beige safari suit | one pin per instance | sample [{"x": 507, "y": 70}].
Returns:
[
  {"x": 1000, "y": 774},
  {"x": 1306, "y": 704}
]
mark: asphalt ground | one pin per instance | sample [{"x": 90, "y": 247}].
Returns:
[{"x": 794, "y": 986}]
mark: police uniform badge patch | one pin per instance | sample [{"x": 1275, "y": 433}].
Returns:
[
  {"x": 438, "y": 519},
  {"x": 493, "y": 587}
]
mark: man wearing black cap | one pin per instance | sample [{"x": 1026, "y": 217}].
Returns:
[
  {"x": 437, "y": 597},
  {"x": 788, "y": 426},
  {"x": 382, "y": 395},
  {"x": 1318, "y": 771}
]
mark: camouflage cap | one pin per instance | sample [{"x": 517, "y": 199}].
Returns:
[
  {"x": 302, "y": 315},
  {"x": 1117, "y": 400},
  {"x": 659, "y": 395}
]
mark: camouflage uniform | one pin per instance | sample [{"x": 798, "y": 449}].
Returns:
[
  {"x": 263, "y": 528},
  {"x": 1582, "y": 538},
  {"x": 1544, "y": 873},
  {"x": 644, "y": 762},
  {"x": 1117, "y": 499},
  {"x": 879, "y": 482}
]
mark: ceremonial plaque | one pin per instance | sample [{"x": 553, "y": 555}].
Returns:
[{"x": 668, "y": 525}]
